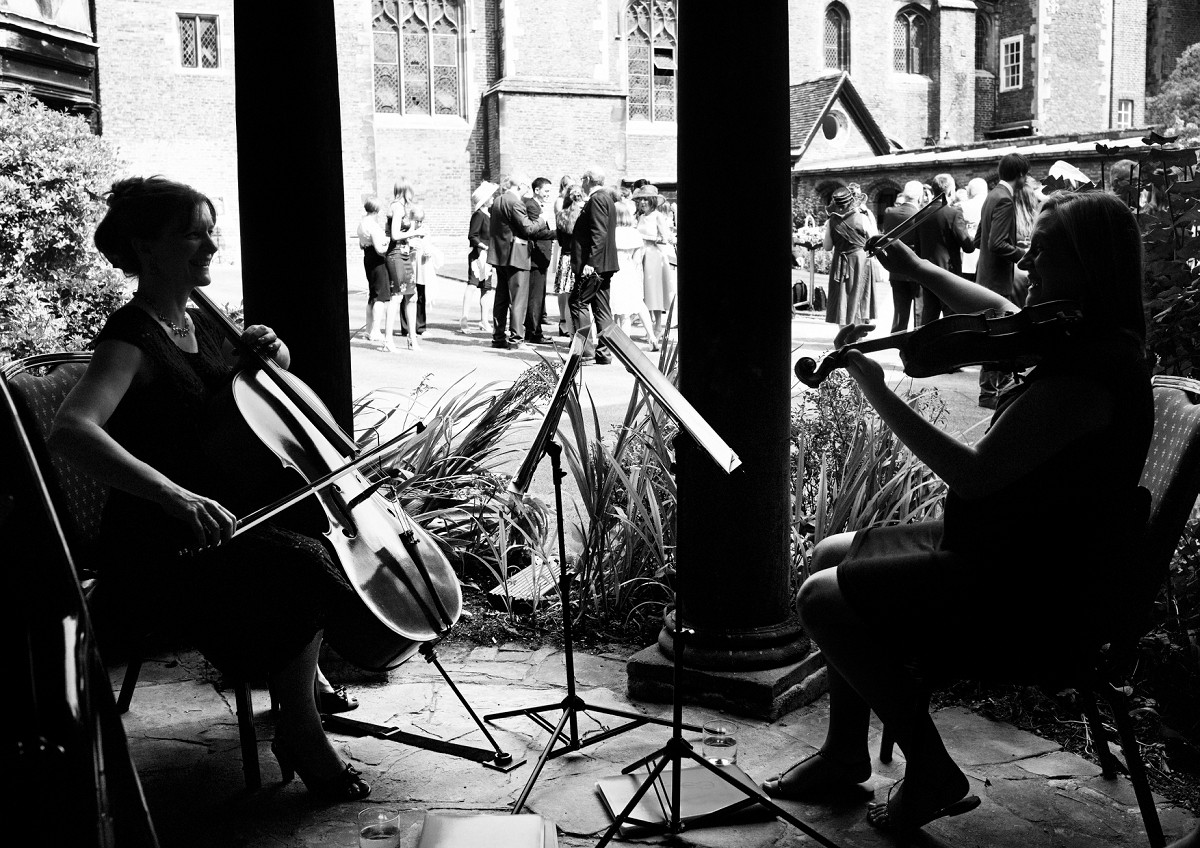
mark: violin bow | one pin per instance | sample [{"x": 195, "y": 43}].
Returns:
[{"x": 904, "y": 227}]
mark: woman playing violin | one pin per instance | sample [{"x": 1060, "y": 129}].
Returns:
[
  {"x": 254, "y": 605},
  {"x": 1040, "y": 516}
]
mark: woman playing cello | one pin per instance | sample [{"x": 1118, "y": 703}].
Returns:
[
  {"x": 253, "y": 605},
  {"x": 1041, "y": 514}
]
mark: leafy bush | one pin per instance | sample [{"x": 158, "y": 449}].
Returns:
[{"x": 55, "y": 289}]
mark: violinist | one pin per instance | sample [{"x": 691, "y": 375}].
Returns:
[
  {"x": 255, "y": 605},
  {"x": 1041, "y": 514}
]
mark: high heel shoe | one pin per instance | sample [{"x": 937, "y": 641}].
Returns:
[{"x": 347, "y": 786}]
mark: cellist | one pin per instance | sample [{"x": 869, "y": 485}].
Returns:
[{"x": 255, "y": 605}]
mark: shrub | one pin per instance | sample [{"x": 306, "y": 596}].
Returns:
[{"x": 55, "y": 288}]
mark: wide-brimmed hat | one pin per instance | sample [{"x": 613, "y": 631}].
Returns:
[
  {"x": 841, "y": 202},
  {"x": 480, "y": 195},
  {"x": 646, "y": 191}
]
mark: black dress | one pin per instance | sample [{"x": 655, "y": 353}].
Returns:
[
  {"x": 249, "y": 606},
  {"x": 1021, "y": 579}
]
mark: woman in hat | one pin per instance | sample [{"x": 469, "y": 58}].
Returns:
[
  {"x": 658, "y": 277},
  {"x": 850, "y": 279},
  {"x": 480, "y": 275}
]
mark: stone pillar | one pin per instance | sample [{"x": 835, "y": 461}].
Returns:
[
  {"x": 748, "y": 653},
  {"x": 290, "y": 167},
  {"x": 954, "y": 73}
]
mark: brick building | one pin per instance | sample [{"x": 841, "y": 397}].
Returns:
[{"x": 448, "y": 92}]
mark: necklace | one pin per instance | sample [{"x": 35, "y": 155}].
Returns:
[{"x": 178, "y": 330}]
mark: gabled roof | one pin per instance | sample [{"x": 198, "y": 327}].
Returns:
[{"x": 811, "y": 101}]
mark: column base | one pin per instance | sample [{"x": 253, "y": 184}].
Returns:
[{"x": 766, "y": 693}]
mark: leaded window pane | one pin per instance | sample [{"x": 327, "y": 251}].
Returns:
[
  {"x": 208, "y": 42},
  {"x": 917, "y": 32},
  {"x": 387, "y": 88},
  {"x": 837, "y": 39},
  {"x": 639, "y": 77},
  {"x": 900, "y": 45},
  {"x": 416, "y": 72},
  {"x": 187, "y": 42}
]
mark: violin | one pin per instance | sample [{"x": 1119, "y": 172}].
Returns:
[
  {"x": 956, "y": 341},
  {"x": 408, "y": 590}
]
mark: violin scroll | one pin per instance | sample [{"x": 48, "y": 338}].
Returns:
[{"x": 812, "y": 375}]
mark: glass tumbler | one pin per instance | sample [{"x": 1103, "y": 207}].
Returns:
[
  {"x": 719, "y": 743},
  {"x": 378, "y": 827}
]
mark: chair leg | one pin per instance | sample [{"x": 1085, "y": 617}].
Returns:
[
  {"x": 249, "y": 739},
  {"x": 1133, "y": 762},
  {"x": 132, "y": 669},
  {"x": 1109, "y": 765}
]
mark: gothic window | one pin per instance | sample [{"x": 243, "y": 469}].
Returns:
[
  {"x": 985, "y": 42},
  {"x": 910, "y": 41},
  {"x": 837, "y": 37},
  {"x": 650, "y": 41},
  {"x": 199, "y": 41},
  {"x": 1012, "y": 67},
  {"x": 416, "y": 49}
]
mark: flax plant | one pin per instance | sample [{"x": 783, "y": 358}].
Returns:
[
  {"x": 446, "y": 474},
  {"x": 851, "y": 472}
]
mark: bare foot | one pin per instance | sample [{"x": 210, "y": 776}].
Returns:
[{"x": 818, "y": 774}]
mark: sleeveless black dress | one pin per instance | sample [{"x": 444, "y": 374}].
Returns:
[
  {"x": 1019, "y": 581},
  {"x": 249, "y": 606}
]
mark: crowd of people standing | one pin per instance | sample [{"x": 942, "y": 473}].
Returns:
[
  {"x": 977, "y": 234},
  {"x": 600, "y": 252}
]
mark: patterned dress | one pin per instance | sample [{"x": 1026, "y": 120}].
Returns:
[
  {"x": 250, "y": 605},
  {"x": 851, "y": 282}
]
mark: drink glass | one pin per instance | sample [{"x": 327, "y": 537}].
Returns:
[
  {"x": 719, "y": 743},
  {"x": 378, "y": 828}
]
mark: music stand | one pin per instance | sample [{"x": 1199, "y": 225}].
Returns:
[
  {"x": 544, "y": 443},
  {"x": 677, "y": 748}
]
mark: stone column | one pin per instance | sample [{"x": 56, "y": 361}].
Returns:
[
  {"x": 289, "y": 171},
  {"x": 748, "y": 653}
]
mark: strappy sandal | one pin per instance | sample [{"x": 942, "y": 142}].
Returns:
[
  {"x": 843, "y": 776},
  {"x": 348, "y": 785},
  {"x": 337, "y": 701},
  {"x": 881, "y": 817}
]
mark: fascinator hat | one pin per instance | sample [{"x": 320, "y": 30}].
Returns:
[
  {"x": 841, "y": 202},
  {"x": 480, "y": 195}
]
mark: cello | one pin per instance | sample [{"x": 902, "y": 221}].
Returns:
[{"x": 409, "y": 593}]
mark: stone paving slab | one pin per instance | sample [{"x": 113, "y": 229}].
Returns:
[{"x": 183, "y": 736}]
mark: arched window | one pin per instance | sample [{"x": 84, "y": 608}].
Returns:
[
  {"x": 910, "y": 41},
  {"x": 837, "y": 37},
  {"x": 416, "y": 45},
  {"x": 985, "y": 42},
  {"x": 650, "y": 41}
]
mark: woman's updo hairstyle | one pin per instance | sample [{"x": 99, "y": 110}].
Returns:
[
  {"x": 1101, "y": 231},
  {"x": 145, "y": 208}
]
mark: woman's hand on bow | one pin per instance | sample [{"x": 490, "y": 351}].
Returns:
[{"x": 211, "y": 523}]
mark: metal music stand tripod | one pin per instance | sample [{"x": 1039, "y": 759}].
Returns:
[
  {"x": 572, "y": 705},
  {"x": 677, "y": 749}
]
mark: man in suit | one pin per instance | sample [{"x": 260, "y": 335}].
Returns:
[
  {"x": 996, "y": 241},
  {"x": 540, "y": 248},
  {"x": 942, "y": 238},
  {"x": 905, "y": 290},
  {"x": 594, "y": 261},
  {"x": 508, "y": 251}
]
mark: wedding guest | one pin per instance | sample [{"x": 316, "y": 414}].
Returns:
[
  {"x": 374, "y": 244},
  {"x": 849, "y": 298},
  {"x": 658, "y": 245},
  {"x": 481, "y": 277}
]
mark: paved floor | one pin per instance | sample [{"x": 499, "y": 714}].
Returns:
[{"x": 184, "y": 740}]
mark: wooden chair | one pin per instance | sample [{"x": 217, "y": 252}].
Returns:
[
  {"x": 1172, "y": 476},
  {"x": 39, "y": 384}
]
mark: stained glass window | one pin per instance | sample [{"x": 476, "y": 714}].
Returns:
[
  {"x": 199, "y": 41},
  {"x": 417, "y": 56},
  {"x": 910, "y": 42},
  {"x": 837, "y": 37},
  {"x": 650, "y": 41}
]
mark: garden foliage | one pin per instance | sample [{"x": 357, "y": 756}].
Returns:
[{"x": 55, "y": 288}]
